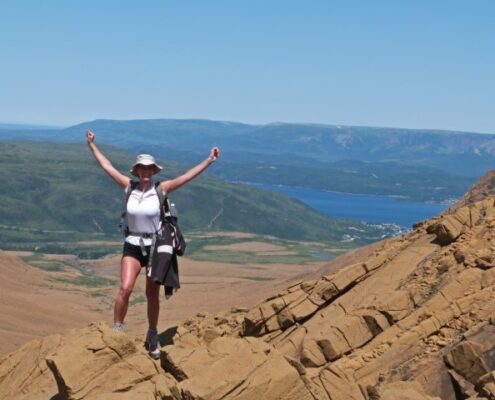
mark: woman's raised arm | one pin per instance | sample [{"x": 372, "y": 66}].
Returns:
[
  {"x": 121, "y": 180},
  {"x": 176, "y": 183}
]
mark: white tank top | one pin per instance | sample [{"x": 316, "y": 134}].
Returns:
[{"x": 143, "y": 214}]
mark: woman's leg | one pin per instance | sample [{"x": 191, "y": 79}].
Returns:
[
  {"x": 153, "y": 296},
  {"x": 129, "y": 271}
]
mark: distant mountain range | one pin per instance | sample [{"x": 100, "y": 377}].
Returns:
[{"x": 423, "y": 165}]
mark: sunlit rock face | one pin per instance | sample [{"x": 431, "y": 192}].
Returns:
[{"x": 413, "y": 320}]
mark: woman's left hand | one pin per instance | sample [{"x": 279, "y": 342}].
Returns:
[{"x": 214, "y": 153}]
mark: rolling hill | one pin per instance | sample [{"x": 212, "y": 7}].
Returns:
[{"x": 56, "y": 193}]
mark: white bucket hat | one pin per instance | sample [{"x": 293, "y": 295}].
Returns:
[{"x": 145, "y": 159}]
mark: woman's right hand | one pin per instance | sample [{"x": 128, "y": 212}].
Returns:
[{"x": 90, "y": 136}]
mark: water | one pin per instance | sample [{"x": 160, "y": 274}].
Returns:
[{"x": 366, "y": 208}]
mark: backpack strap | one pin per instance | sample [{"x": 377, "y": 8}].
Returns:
[
  {"x": 132, "y": 185},
  {"x": 163, "y": 199}
]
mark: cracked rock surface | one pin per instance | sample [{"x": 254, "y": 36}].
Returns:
[{"x": 413, "y": 320}]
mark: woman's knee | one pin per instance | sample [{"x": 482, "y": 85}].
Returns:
[
  {"x": 125, "y": 291},
  {"x": 130, "y": 269}
]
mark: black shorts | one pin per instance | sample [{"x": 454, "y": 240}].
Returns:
[{"x": 135, "y": 252}]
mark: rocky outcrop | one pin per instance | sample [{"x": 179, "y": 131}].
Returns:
[
  {"x": 25, "y": 375},
  {"x": 92, "y": 363},
  {"x": 86, "y": 361},
  {"x": 483, "y": 189},
  {"x": 451, "y": 225},
  {"x": 413, "y": 320},
  {"x": 233, "y": 367}
]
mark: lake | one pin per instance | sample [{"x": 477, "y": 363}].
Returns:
[{"x": 366, "y": 208}]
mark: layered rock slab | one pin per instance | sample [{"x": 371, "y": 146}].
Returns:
[
  {"x": 412, "y": 320},
  {"x": 24, "y": 374},
  {"x": 107, "y": 362},
  {"x": 413, "y": 298},
  {"x": 233, "y": 368}
]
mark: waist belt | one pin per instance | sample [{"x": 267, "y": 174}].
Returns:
[
  {"x": 145, "y": 235},
  {"x": 142, "y": 236}
]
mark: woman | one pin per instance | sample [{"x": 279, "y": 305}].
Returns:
[{"x": 143, "y": 219}]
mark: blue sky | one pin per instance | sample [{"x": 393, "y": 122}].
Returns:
[{"x": 400, "y": 63}]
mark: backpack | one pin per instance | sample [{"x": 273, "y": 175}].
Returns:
[{"x": 169, "y": 222}]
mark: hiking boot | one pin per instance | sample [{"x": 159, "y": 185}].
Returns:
[
  {"x": 118, "y": 327},
  {"x": 153, "y": 345}
]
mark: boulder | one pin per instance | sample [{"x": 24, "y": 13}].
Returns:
[
  {"x": 98, "y": 360},
  {"x": 24, "y": 373},
  {"x": 474, "y": 356},
  {"x": 339, "y": 386},
  {"x": 447, "y": 230},
  {"x": 347, "y": 276},
  {"x": 234, "y": 368},
  {"x": 394, "y": 304}
]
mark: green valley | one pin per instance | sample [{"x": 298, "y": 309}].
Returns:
[{"x": 54, "y": 195}]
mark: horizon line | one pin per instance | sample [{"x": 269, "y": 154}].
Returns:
[{"x": 22, "y": 125}]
